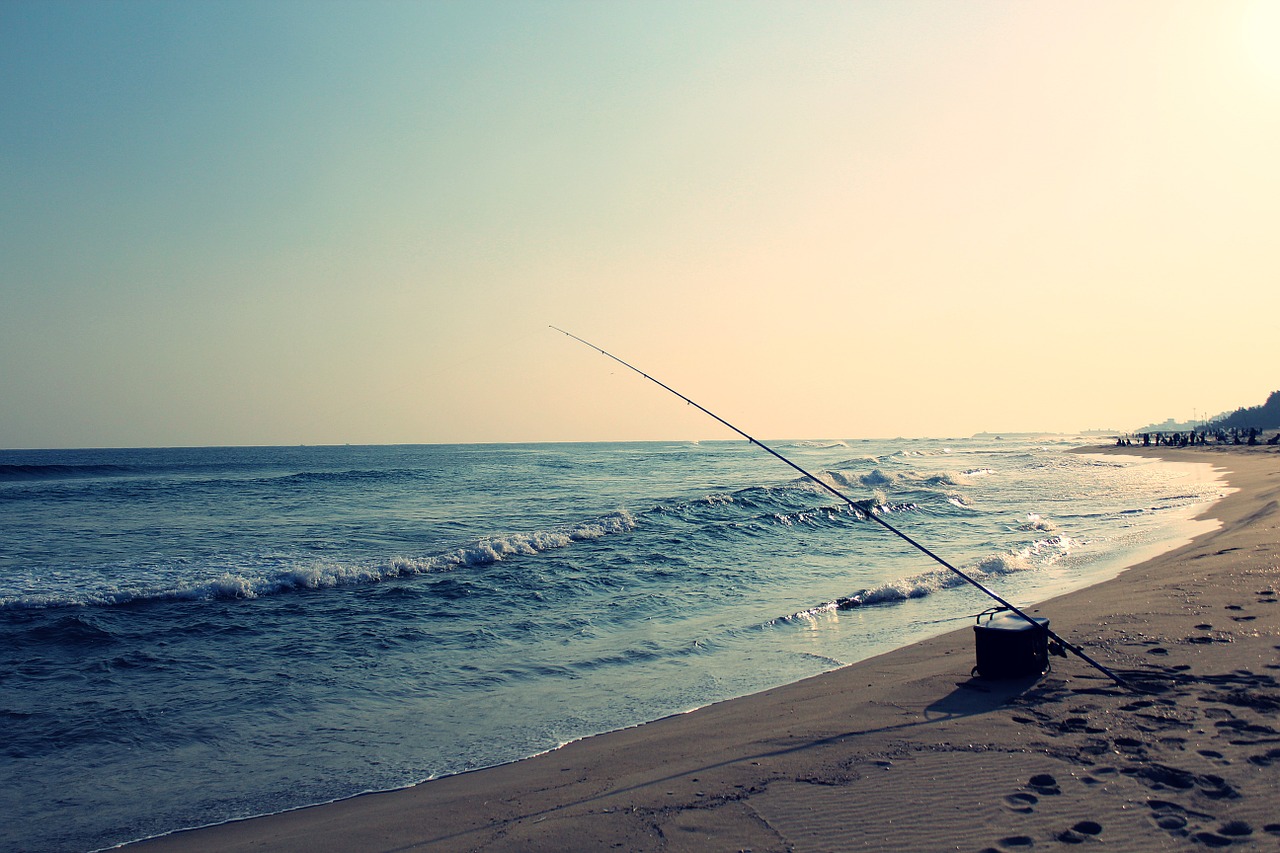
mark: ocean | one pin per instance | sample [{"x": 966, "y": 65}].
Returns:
[{"x": 189, "y": 636}]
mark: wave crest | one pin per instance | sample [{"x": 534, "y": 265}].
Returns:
[
  {"x": 927, "y": 583},
  {"x": 322, "y": 575},
  {"x": 1035, "y": 521}
]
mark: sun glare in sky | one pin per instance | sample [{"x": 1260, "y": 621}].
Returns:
[
  {"x": 275, "y": 223},
  {"x": 1261, "y": 37}
]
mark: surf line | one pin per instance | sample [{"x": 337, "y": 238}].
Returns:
[{"x": 867, "y": 507}]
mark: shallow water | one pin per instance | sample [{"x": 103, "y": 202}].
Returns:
[{"x": 193, "y": 635}]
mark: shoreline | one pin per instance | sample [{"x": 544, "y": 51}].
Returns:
[{"x": 905, "y": 751}]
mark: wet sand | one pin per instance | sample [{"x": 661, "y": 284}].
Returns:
[{"x": 907, "y": 751}]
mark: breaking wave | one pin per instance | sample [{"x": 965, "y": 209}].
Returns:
[
  {"x": 1034, "y": 521},
  {"x": 920, "y": 585},
  {"x": 818, "y": 444},
  {"x": 246, "y": 584}
]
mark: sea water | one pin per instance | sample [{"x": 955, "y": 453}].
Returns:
[{"x": 189, "y": 636}]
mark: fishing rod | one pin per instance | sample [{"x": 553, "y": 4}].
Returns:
[{"x": 867, "y": 508}]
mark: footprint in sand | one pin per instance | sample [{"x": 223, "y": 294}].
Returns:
[
  {"x": 1244, "y": 727},
  {"x": 1216, "y": 788},
  {"x": 1212, "y": 839},
  {"x": 1161, "y": 777},
  {"x": 1227, "y": 834},
  {"x": 1094, "y": 746},
  {"x": 1017, "y": 842},
  {"x": 1080, "y": 833},
  {"x": 1265, "y": 759},
  {"x": 1214, "y": 755},
  {"x": 1174, "y": 819},
  {"x": 1044, "y": 785},
  {"x": 1021, "y": 802},
  {"x": 1128, "y": 744},
  {"x": 1171, "y": 822},
  {"x": 1100, "y": 776}
]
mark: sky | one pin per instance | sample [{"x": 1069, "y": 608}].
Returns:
[{"x": 260, "y": 223}]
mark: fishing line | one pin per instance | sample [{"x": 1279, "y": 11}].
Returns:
[{"x": 868, "y": 508}]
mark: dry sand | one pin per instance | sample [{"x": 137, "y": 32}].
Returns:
[{"x": 906, "y": 751}]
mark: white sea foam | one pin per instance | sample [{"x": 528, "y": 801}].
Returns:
[
  {"x": 880, "y": 478},
  {"x": 1034, "y": 521},
  {"x": 326, "y": 575},
  {"x": 927, "y": 583},
  {"x": 1049, "y": 550},
  {"x": 1003, "y": 564}
]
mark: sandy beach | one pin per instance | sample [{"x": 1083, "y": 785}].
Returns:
[{"x": 907, "y": 751}]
